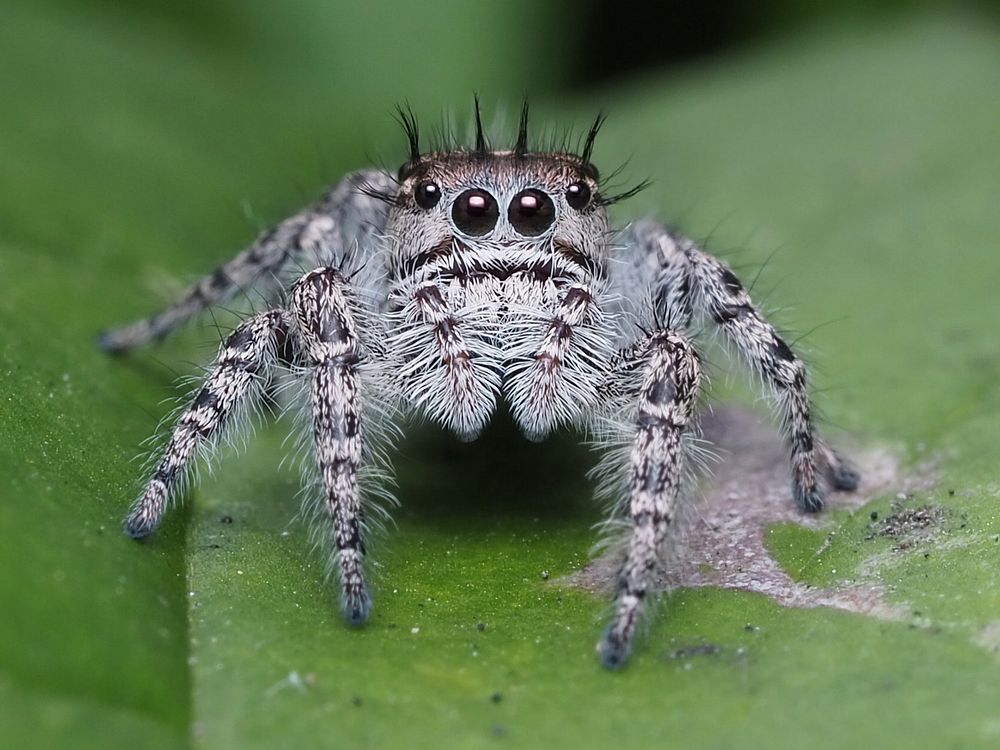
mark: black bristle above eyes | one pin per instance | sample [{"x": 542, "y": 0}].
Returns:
[
  {"x": 482, "y": 148},
  {"x": 408, "y": 120},
  {"x": 583, "y": 151},
  {"x": 588, "y": 144},
  {"x": 608, "y": 200},
  {"x": 521, "y": 146},
  {"x": 390, "y": 198},
  {"x": 446, "y": 141}
]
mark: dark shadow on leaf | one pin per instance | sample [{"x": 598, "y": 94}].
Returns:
[{"x": 501, "y": 475}]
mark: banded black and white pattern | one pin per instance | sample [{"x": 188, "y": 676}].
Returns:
[
  {"x": 472, "y": 277},
  {"x": 669, "y": 378},
  {"x": 229, "y": 391}
]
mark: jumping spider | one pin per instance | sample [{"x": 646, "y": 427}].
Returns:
[{"x": 474, "y": 274}]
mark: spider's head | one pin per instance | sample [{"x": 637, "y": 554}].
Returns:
[{"x": 498, "y": 199}]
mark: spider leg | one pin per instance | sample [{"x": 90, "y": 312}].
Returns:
[
  {"x": 670, "y": 377},
  {"x": 688, "y": 280},
  {"x": 233, "y": 384},
  {"x": 555, "y": 375},
  {"x": 346, "y": 213},
  {"x": 449, "y": 370},
  {"x": 331, "y": 346}
]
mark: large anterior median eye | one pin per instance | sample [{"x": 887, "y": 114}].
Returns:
[
  {"x": 475, "y": 212},
  {"x": 531, "y": 212}
]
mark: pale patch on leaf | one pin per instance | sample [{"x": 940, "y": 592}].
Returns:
[{"x": 749, "y": 491}]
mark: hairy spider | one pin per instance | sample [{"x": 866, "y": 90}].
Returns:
[{"x": 474, "y": 274}]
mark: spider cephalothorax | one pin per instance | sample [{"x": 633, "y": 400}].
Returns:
[{"x": 474, "y": 275}]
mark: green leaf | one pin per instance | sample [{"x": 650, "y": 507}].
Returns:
[{"x": 866, "y": 158}]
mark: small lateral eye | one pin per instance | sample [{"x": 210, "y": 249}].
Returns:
[
  {"x": 578, "y": 195},
  {"x": 427, "y": 195}
]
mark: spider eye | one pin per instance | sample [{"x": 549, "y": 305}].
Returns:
[
  {"x": 427, "y": 195},
  {"x": 578, "y": 195},
  {"x": 531, "y": 212},
  {"x": 475, "y": 212}
]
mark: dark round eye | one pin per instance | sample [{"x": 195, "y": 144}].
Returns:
[
  {"x": 475, "y": 212},
  {"x": 531, "y": 212},
  {"x": 427, "y": 195},
  {"x": 578, "y": 195}
]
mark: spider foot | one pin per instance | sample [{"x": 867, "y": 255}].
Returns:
[
  {"x": 844, "y": 478},
  {"x": 809, "y": 499},
  {"x": 613, "y": 650},
  {"x": 839, "y": 472},
  {"x": 137, "y": 525},
  {"x": 117, "y": 341},
  {"x": 108, "y": 342},
  {"x": 357, "y": 606}
]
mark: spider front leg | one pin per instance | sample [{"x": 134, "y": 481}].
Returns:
[
  {"x": 346, "y": 216},
  {"x": 690, "y": 280},
  {"x": 557, "y": 363},
  {"x": 331, "y": 346},
  {"x": 449, "y": 369},
  {"x": 671, "y": 376},
  {"x": 721, "y": 295},
  {"x": 237, "y": 379}
]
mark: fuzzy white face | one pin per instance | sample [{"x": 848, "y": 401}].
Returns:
[
  {"x": 494, "y": 258},
  {"x": 523, "y": 206}
]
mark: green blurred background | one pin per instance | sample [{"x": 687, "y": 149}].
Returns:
[{"x": 850, "y": 150}]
